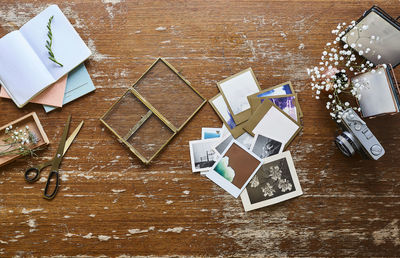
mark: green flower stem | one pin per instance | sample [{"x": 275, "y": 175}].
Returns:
[{"x": 50, "y": 42}]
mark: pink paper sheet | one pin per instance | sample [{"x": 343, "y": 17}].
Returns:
[{"x": 52, "y": 96}]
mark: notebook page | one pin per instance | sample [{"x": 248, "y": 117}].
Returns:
[
  {"x": 22, "y": 73},
  {"x": 68, "y": 47}
]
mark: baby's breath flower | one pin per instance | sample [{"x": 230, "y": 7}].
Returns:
[{"x": 337, "y": 65}]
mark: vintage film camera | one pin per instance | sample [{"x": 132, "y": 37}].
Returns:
[{"x": 357, "y": 137}]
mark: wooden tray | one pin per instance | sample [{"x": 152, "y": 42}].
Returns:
[{"x": 33, "y": 122}]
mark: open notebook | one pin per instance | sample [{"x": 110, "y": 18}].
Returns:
[{"x": 25, "y": 69}]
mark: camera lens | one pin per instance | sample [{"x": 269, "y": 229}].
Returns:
[{"x": 346, "y": 144}]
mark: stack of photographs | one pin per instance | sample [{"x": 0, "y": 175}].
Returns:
[
  {"x": 246, "y": 110},
  {"x": 254, "y": 168},
  {"x": 245, "y": 157}
]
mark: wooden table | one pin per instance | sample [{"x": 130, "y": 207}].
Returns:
[{"x": 110, "y": 204}]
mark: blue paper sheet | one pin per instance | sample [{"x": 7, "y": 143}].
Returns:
[{"x": 79, "y": 84}]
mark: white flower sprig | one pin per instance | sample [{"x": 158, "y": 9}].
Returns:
[
  {"x": 338, "y": 61},
  {"x": 18, "y": 141}
]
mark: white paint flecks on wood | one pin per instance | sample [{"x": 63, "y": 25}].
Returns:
[
  {"x": 103, "y": 238},
  {"x": 389, "y": 234}
]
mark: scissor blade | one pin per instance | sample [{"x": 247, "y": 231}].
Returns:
[
  {"x": 58, "y": 157},
  {"x": 72, "y": 137}
]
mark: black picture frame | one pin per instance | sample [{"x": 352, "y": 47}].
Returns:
[{"x": 384, "y": 15}]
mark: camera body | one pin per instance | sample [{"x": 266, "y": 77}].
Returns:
[{"x": 357, "y": 137}]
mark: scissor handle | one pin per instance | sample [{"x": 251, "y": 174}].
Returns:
[
  {"x": 32, "y": 174},
  {"x": 53, "y": 194}
]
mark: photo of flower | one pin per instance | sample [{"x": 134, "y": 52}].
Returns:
[{"x": 271, "y": 180}]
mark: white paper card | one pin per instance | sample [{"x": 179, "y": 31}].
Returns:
[
  {"x": 237, "y": 89},
  {"x": 276, "y": 125}
]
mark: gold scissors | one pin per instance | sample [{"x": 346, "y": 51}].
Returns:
[{"x": 32, "y": 174}]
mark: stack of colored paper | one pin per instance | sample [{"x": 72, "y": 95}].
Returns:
[{"x": 70, "y": 87}]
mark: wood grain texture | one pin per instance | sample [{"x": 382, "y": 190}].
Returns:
[{"x": 110, "y": 204}]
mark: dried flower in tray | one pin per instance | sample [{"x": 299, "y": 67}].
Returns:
[{"x": 18, "y": 141}]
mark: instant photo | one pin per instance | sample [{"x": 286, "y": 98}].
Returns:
[
  {"x": 285, "y": 88},
  {"x": 281, "y": 89},
  {"x": 287, "y": 103},
  {"x": 378, "y": 32},
  {"x": 270, "y": 120},
  {"x": 202, "y": 154},
  {"x": 378, "y": 94},
  {"x": 235, "y": 90},
  {"x": 223, "y": 144},
  {"x": 234, "y": 169},
  {"x": 264, "y": 146},
  {"x": 275, "y": 181},
  {"x": 246, "y": 140},
  {"x": 210, "y": 133},
  {"x": 222, "y": 110}
]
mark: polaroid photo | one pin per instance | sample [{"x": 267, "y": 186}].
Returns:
[
  {"x": 270, "y": 120},
  {"x": 222, "y": 110},
  {"x": 264, "y": 146},
  {"x": 281, "y": 89},
  {"x": 246, "y": 140},
  {"x": 235, "y": 90},
  {"x": 224, "y": 131},
  {"x": 285, "y": 88},
  {"x": 223, "y": 144},
  {"x": 210, "y": 133},
  {"x": 234, "y": 169},
  {"x": 287, "y": 103},
  {"x": 275, "y": 181},
  {"x": 202, "y": 154}
]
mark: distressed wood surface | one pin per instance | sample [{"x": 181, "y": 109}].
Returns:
[{"x": 110, "y": 204}]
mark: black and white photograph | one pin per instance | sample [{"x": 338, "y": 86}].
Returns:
[
  {"x": 264, "y": 146},
  {"x": 246, "y": 140},
  {"x": 275, "y": 181},
  {"x": 221, "y": 146},
  {"x": 202, "y": 154}
]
